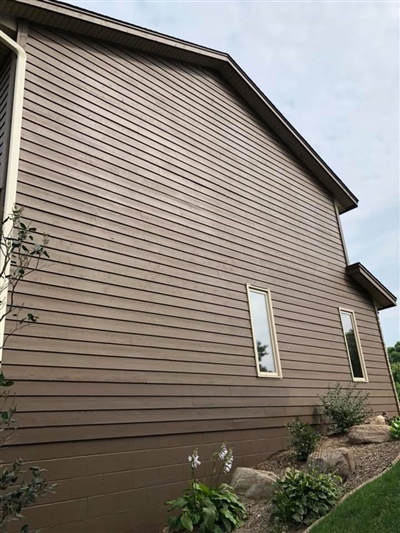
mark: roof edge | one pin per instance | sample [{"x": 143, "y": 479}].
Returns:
[
  {"x": 68, "y": 17},
  {"x": 382, "y": 296}
]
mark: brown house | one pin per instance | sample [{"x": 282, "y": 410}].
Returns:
[{"x": 198, "y": 290}]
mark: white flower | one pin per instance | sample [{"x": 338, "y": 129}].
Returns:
[
  {"x": 228, "y": 462},
  {"x": 194, "y": 459},
  {"x": 227, "y": 466},
  {"x": 223, "y": 452},
  {"x": 196, "y": 462}
]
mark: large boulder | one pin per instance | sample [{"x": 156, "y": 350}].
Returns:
[
  {"x": 253, "y": 484},
  {"x": 339, "y": 461},
  {"x": 367, "y": 433}
]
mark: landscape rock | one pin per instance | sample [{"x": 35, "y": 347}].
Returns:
[
  {"x": 379, "y": 420},
  {"x": 338, "y": 461},
  {"x": 368, "y": 433},
  {"x": 253, "y": 484}
]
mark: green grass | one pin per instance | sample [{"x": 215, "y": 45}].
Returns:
[{"x": 372, "y": 509}]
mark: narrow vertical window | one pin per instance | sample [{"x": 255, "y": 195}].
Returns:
[
  {"x": 264, "y": 336},
  {"x": 353, "y": 345}
]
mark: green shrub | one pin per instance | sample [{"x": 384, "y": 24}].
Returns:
[
  {"x": 304, "y": 438},
  {"x": 208, "y": 509},
  {"x": 396, "y": 376},
  {"x": 302, "y": 497},
  {"x": 395, "y": 427},
  {"x": 345, "y": 407}
]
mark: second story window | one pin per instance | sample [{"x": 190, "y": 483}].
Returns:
[
  {"x": 353, "y": 345},
  {"x": 264, "y": 336}
]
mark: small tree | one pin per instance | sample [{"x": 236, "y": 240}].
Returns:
[
  {"x": 394, "y": 353},
  {"x": 396, "y": 377},
  {"x": 394, "y": 358},
  {"x": 21, "y": 253}
]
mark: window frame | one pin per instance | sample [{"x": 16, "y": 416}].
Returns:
[
  {"x": 271, "y": 325},
  {"x": 358, "y": 344}
]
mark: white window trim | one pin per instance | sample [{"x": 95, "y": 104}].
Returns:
[
  {"x": 274, "y": 340},
  {"x": 358, "y": 343}
]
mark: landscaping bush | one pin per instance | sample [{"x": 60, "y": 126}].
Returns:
[
  {"x": 208, "y": 509},
  {"x": 302, "y": 497},
  {"x": 395, "y": 427},
  {"x": 345, "y": 407},
  {"x": 304, "y": 438}
]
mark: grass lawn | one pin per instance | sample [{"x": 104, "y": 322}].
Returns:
[{"x": 372, "y": 509}]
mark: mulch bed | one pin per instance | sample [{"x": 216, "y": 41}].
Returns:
[{"x": 370, "y": 460}]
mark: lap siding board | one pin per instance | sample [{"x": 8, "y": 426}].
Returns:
[{"x": 164, "y": 195}]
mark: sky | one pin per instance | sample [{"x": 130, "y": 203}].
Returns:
[{"x": 332, "y": 68}]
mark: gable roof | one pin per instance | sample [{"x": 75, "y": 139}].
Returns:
[
  {"x": 70, "y": 18},
  {"x": 381, "y": 295}
]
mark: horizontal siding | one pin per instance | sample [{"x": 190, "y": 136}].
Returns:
[
  {"x": 148, "y": 81},
  {"x": 121, "y": 484},
  {"x": 163, "y": 196}
]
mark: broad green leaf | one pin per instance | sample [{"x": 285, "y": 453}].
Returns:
[
  {"x": 187, "y": 522},
  {"x": 209, "y": 516}
]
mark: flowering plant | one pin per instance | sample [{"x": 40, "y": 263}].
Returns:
[{"x": 208, "y": 508}]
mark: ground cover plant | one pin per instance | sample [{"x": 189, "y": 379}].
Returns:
[
  {"x": 208, "y": 508},
  {"x": 372, "y": 509},
  {"x": 303, "y": 496},
  {"x": 345, "y": 407}
]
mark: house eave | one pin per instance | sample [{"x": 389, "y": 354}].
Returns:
[
  {"x": 383, "y": 298},
  {"x": 73, "y": 19}
]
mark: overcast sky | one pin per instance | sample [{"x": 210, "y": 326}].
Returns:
[{"x": 332, "y": 68}]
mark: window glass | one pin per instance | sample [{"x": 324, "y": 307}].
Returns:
[
  {"x": 351, "y": 337},
  {"x": 264, "y": 341}
]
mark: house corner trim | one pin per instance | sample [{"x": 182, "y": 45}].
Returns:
[{"x": 12, "y": 159}]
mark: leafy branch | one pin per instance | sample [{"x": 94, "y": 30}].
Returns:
[{"x": 21, "y": 253}]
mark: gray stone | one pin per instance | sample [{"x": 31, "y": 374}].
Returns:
[
  {"x": 338, "y": 461},
  {"x": 253, "y": 484},
  {"x": 377, "y": 420},
  {"x": 367, "y": 433}
]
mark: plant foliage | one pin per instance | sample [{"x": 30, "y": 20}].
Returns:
[
  {"x": 394, "y": 359},
  {"x": 394, "y": 353},
  {"x": 210, "y": 508},
  {"x": 301, "y": 497},
  {"x": 345, "y": 407},
  {"x": 304, "y": 438},
  {"x": 396, "y": 377},
  {"x": 207, "y": 510},
  {"x": 17, "y": 493},
  {"x": 395, "y": 427},
  {"x": 21, "y": 252}
]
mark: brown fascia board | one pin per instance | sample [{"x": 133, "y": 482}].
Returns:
[
  {"x": 70, "y": 18},
  {"x": 381, "y": 295}
]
